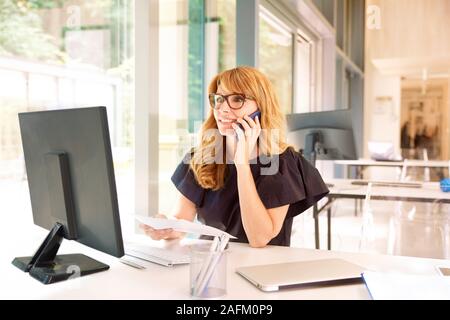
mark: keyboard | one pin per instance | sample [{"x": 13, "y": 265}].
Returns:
[
  {"x": 387, "y": 184},
  {"x": 162, "y": 256}
]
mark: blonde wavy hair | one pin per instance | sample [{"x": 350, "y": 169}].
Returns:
[{"x": 210, "y": 173}]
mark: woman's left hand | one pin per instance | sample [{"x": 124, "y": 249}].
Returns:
[{"x": 247, "y": 139}]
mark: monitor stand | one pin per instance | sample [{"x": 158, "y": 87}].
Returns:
[
  {"x": 312, "y": 148},
  {"x": 47, "y": 267}
]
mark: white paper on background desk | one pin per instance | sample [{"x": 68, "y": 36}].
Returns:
[
  {"x": 394, "y": 286},
  {"x": 182, "y": 226}
]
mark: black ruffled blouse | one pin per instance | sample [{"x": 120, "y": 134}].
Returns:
[{"x": 296, "y": 182}]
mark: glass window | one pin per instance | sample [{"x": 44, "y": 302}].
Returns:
[
  {"x": 64, "y": 54},
  {"x": 197, "y": 40},
  {"x": 276, "y": 56},
  {"x": 343, "y": 79},
  {"x": 220, "y": 39},
  {"x": 42, "y": 90},
  {"x": 173, "y": 92},
  {"x": 304, "y": 93},
  {"x": 226, "y": 14}
]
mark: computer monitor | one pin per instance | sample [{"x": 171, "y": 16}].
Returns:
[
  {"x": 72, "y": 189},
  {"x": 326, "y": 135}
]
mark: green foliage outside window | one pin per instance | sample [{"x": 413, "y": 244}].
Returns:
[{"x": 21, "y": 32}]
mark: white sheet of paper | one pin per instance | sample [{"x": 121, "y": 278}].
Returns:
[
  {"x": 182, "y": 226},
  {"x": 392, "y": 286}
]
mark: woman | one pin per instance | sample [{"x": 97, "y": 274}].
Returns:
[{"x": 237, "y": 179}]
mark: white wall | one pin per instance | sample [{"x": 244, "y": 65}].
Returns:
[
  {"x": 382, "y": 101},
  {"x": 410, "y": 36}
]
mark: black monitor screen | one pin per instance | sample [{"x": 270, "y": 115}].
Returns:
[{"x": 80, "y": 137}]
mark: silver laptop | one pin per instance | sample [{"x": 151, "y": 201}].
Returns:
[{"x": 273, "y": 277}]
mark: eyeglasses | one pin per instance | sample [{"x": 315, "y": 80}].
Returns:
[{"x": 235, "y": 100}]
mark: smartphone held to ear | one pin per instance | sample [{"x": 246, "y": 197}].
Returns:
[{"x": 253, "y": 115}]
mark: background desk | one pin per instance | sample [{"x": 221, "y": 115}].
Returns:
[
  {"x": 158, "y": 282},
  {"x": 343, "y": 189},
  {"x": 361, "y": 164},
  {"x": 410, "y": 163}
]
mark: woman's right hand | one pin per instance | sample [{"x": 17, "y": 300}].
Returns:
[{"x": 160, "y": 234}]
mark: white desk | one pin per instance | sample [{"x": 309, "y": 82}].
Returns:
[
  {"x": 157, "y": 282},
  {"x": 430, "y": 192},
  {"x": 361, "y": 164},
  {"x": 343, "y": 189},
  {"x": 409, "y": 163}
]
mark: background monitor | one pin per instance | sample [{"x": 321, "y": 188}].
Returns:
[
  {"x": 72, "y": 188},
  {"x": 326, "y": 135}
]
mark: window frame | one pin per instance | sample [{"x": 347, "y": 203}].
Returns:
[
  {"x": 146, "y": 14},
  {"x": 279, "y": 22},
  {"x": 300, "y": 31}
]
